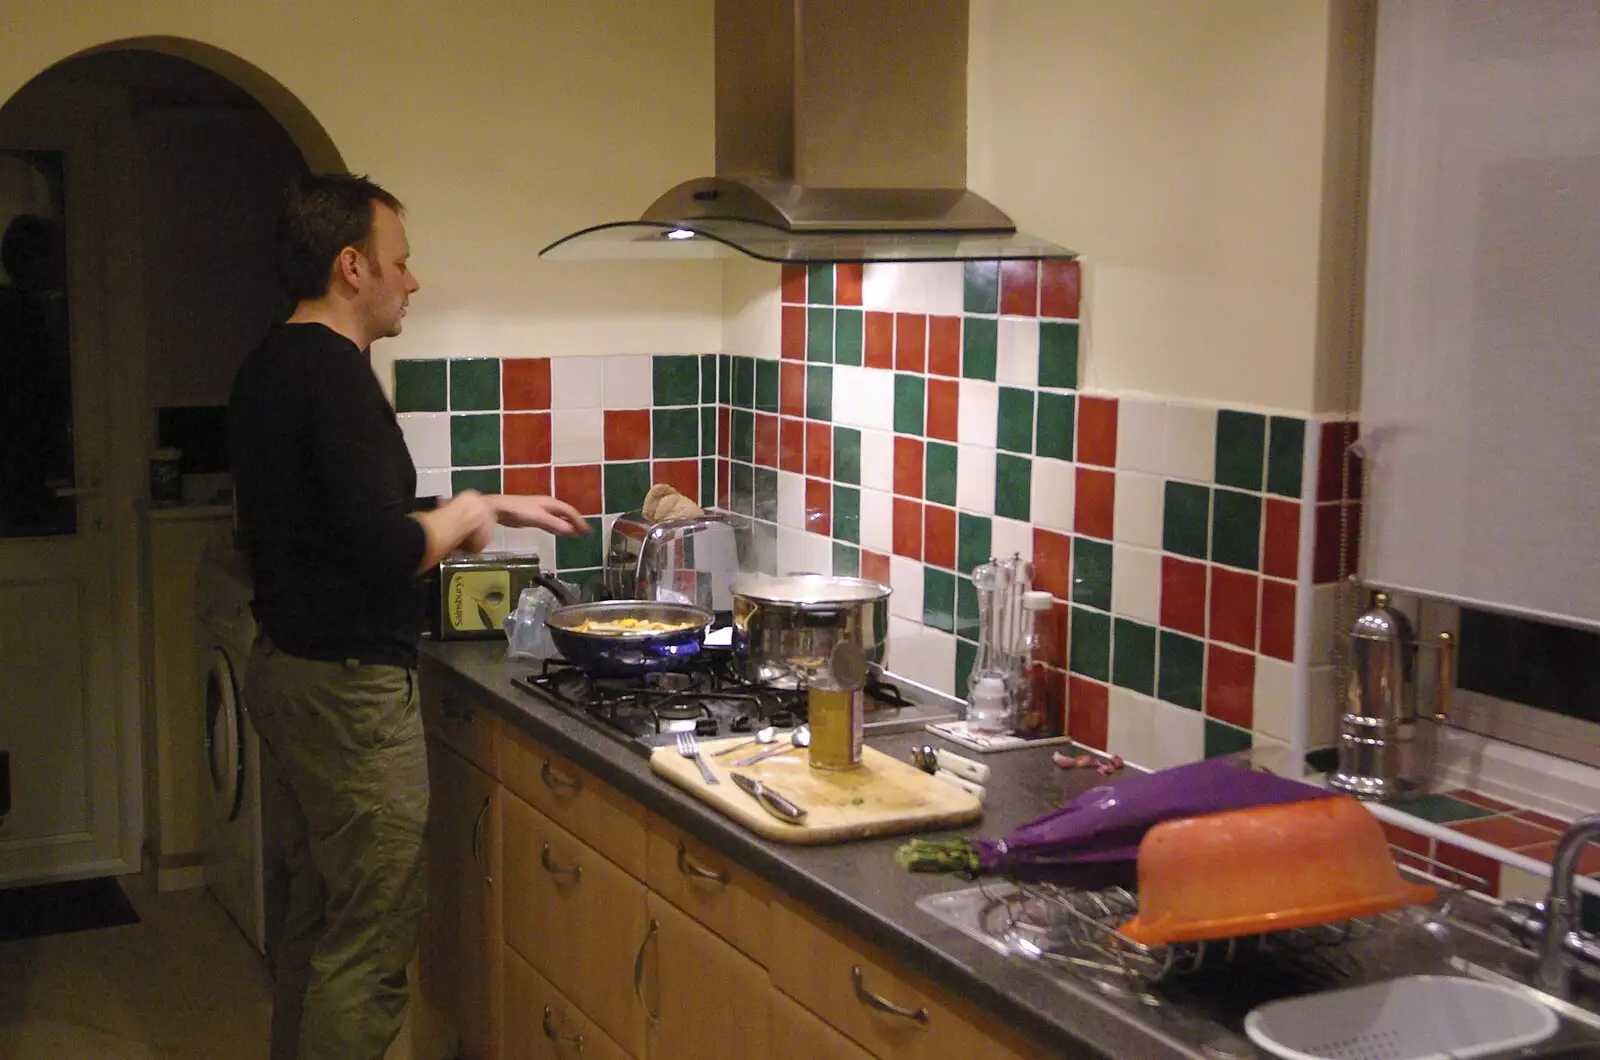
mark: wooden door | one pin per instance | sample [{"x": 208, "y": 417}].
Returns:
[
  {"x": 479, "y": 957},
  {"x": 798, "y": 1034},
  {"x": 710, "y": 999},
  {"x": 546, "y": 1026}
]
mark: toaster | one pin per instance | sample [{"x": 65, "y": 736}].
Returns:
[{"x": 693, "y": 560}]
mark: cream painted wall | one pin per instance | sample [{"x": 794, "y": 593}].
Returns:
[
  {"x": 502, "y": 125},
  {"x": 1182, "y": 148}
]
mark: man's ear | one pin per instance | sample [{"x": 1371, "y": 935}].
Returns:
[{"x": 350, "y": 266}]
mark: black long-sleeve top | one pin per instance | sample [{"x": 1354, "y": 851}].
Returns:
[{"x": 324, "y": 485}]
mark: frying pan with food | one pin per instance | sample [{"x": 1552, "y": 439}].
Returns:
[{"x": 622, "y": 638}]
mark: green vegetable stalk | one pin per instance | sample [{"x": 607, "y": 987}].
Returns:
[{"x": 939, "y": 855}]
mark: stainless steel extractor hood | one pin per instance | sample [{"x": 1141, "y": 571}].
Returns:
[{"x": 841, "y": 136}]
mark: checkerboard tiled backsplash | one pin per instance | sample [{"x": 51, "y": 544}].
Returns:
[{"x": 921, "y": 418}]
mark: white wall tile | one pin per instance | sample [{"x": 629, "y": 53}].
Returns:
[
  {"x": 816, "y": 553},
  {"x": 1141, "y": 435},
  {"x": 1325, "y": 708},
  {"x": 974, "y": 479},
  {"x": 629, "y": 382},
  {"x": 928, "y": 657},
  {"x": 1137, "y": 509},
  {"x": 1274, "y": 756},
  {"x": 877, "y": 520},
  {"x": 1051, "y": 499},
  {"x": 847, "y": 395},
  {"x": 1274, "y": 697},
  {"x": 1325, "y": 619},
  {"x": 1130, "y": 728},
  {"x": 905, "y": 577},
  {"x": 1018, "y": 352},
  {"x": 904, "y": 644},
  {"x": 877, "y": 460},
  {"x": 435, "y": 483},
  {"x": 1191, "y": 446},
  {"x": 428, "y": 437},
  {"x": 886, "y": 285},
  {"x": 577, "y": 436},
  {"x": 944, "y": 287},
  {"x": 791, "y": 550},
  {"x": 1012, "y": 536},
  {"x": 791, "y": 500},
  {"x": 1177, "y": 735},
  {"x": 978, "y": 414},
  {"x": 575, "y": 382},
  {"x": 875, "y": 407},
  {"x": 1136, "y": 583},
  {"x": 524, "y": 539}
]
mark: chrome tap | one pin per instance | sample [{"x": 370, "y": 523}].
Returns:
[{"x": 1563, "y": 949}]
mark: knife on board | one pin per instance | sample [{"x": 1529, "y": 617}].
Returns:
[{"x": 770, "y": 800}]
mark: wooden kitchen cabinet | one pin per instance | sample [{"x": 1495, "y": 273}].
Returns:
[
  {"x": 460, "y": 949},
  {"x": 799, "y": 1035},
  {"x": 544, "y": 1025},
  {"x": 709, "y": 999},
  {"x": 577, "y": 918},
  {"x": 729, "y": 900},
  {"x": 596, "y": 813}
]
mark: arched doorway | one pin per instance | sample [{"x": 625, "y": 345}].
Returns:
[{"x": 160, "y": 162}]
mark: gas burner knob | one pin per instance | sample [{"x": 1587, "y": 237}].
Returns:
[
  {"x": 783, "y": 719},
  {"x": 705, "y": 726},
  {"x": 741, "y": 724}
]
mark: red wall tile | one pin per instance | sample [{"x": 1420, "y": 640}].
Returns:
[
  {"x": 1059, "y": 283},
  {"x": 525, "y": 382},
  {"x": 1325, "y": 565},
  {"x": 944, "y": 346},
  {"x": 819, "y": 449},
  {"x": 1280, "y": 547},
  {"x": 847, "y": 283},
  {"x": 944, "y": 409},
  {"x": 819, "y": 506},
  {"x": 939, "y": 536},
  {"x": 1277, "y": 619},
  {"x": 875, "y": 567},
  {"x": 724, "y": 431},
  {"x": 910, "y": 342},
  {"x": 1230, "y": 685},
  {"x": 1475, "y": 864},
  {"x": 907, "y": 528},
  {"x": 1019, "y": 288},
  {"x": 794, "y": 284},
  {"x": 682, "y": 474},
  {"x": 526, "y": 437},
  {"x": 878, "y": 341},
  {"x": 1094, "y": 503},
  {"x": 1333, "y": 439},
  {"x": 792, "y": 445},
  {"x": 1233, "y": 607},
  {"x": 579, "y": 486},
  {"x": 627, "y": 433},
  {"x": 1183, "y": 595},
  {"x": 792, "y": 389},
  {"x": 792, "y": 337},
  {"x": 908, "y": 466},
  {"x": 1052, "y": 563},
  {"x": 530, "y": 481},
  {"x": 1053, "y": 635},
  {"x": 1097, "y": 431},
  {"x": 766, "y": 453},
  {"x": 1088, "y": 711}
]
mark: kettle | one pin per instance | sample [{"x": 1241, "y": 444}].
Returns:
[{"x": 1380, "y": 756}]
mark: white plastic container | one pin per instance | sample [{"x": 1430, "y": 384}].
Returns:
[{"x": 1418, "y": 1017}]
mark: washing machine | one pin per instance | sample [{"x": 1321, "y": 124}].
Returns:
[{"x": 231, "y": 813}]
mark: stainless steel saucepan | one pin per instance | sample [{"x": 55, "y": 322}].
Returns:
[{"x": 787, "y": 627}]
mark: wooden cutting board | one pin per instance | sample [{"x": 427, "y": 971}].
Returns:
[{"x": 885, "y": 796}]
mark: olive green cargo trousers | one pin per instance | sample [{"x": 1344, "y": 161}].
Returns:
[{"x": 347, "y": 810}]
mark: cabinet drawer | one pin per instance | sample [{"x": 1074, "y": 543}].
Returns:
[
  {"x": 710, "y": 1000},
  {"x": 595, "y": 813},
  {"x": 711, "y": 889},
  {"x": 798, "y": 1035},
  {"x": 883, "y": 1007},
  {"x": 451, "y": 715},
  {"x": 576, "y": 918},
  {"x": 547, "y": 1025}
]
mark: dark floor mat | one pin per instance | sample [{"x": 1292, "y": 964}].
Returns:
[{"x": 56, "y": 908}]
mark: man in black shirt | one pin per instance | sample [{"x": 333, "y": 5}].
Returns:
[{"x": 325, "y": 489}]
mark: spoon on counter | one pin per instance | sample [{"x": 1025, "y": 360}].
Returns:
[
  {"x": 766, "y": 735},
  {"x": 801, "y": 737}
]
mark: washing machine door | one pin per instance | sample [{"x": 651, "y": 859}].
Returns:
[{"x": 224, "y": 737}]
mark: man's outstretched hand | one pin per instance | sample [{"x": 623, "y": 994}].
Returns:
[{"x": 543, "y": 513}]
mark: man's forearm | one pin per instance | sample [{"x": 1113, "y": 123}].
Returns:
[{"x": 465, "y": 519}]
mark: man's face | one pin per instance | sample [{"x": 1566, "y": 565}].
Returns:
[{"x": 390, "y": 283}]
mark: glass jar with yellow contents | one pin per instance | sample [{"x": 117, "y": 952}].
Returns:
[{"x": 835, "y": 709}]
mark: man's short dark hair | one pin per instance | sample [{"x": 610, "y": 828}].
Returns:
[{"x": 325, "y": 213}]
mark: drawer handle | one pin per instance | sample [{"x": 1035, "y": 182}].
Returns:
[
  {"x": 700, "y": 872},
  {"x": 477, "y": 840},
  {"x": 638, "y": 976},
  {"x": 454, "y": 711},
  {"x": 871, "y": 1000},
  {"x": 555, "y": 1035},
  {"x": 556, "y": 782},
  {"x": 550, "y": 866}
]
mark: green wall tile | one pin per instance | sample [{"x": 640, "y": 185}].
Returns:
[
  {"x": 1013, "y": 487},
  {"x": 708, "y": 379},
  {"x": 742, "y": 489},
  {"x": 1286, "y": 451},
  {"x": 846, "y": 560},
  {"x": 1223, "y": 739},
  {"x": 966, "y": 609},
  {"x": 1133, "y": 656},
  {"x": 1089, "y": 644},
  {"x": 1181, "y": 670},
  {"x": 819, "y": 284},
  {"x": 910, "y": 399},
  {"x": 676, "y": 380},
  {"x": 938, "y": 599},
  {"x": 1058, "y": 415},
  {"x": 625, "y": 485},
  {"x": 708, "y": 430},
  {"x": 966, "y": 659},
  {"x": 725, "y": 378},
  {"x": 1014, "y": 431},
  {"x": 742, "y": 429},
  {"x": 1091, "y": 572},
  {"x": 847, "y": 455},
  {"x": 974, "y": 541},
  {"x": 1442, "y": 809},
  {"x": 421, "y": 386},
  {"x": 1058, "y": 355},
  {"x": 1236, "y": 529},
  {"x": 674, "y": 433},
  {"x": 708, "y": 482},
  {"x": 939, "y": 474},
  {"x": 979, "y": 348},
  {"x": 847, "y": 513},
  {"x": 744, "y": 383},
  {"x": 766, "y": 385},
  {"x": 575, "y": 553},
  {"x": 475, "y": 384},
  {"x": 819, "y": 392},
  {"x": 1185, "y": 519},
  {"x": 766, "y": 494},
  {"x": 847, "y": 336},
  {"x": 1241, "y": 448},
  {"x": 819, "y": 335},
  {"x": 484, "y": 480},
  {"x": 475, "y": 440},
  {"x": 981, "y": 287}
]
